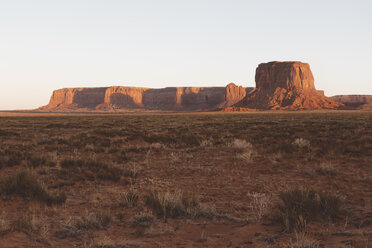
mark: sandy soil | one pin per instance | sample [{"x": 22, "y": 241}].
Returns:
[{"x": 234, "y": 166}]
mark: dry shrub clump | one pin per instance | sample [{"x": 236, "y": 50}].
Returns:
[
  {"x": 30, "y": 224},
  {"x": 301, "y": 143},
  {"x": 75, "y": 226},
  {"x": 129, "y": 198},
  {"x": 303, "y": 242},
  {"x": 145, "y": 218},
  {"x": 240, "y": 144},
  {"x": 302, "y": 205},
  {"x": 246, "y": 147},
  {"x": 25, "y": 184},
  {"x": 93, "y": 169},
  {"x": 326, "y": 170},
  {"x": 259, "y": 204},
  {"x": 206, "y": 143},
  {"x": 176, "y": 205}
]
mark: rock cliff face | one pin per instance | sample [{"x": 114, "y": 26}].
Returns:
[
  {"x": 279, "y": 85},
  {"x": 172, "y": 98},
  {"x": 285, "y": 85},
  {"x": 361, "y": 99},
  {"x": 76, "y": 98},
  {"x": 353, "y": 101}
]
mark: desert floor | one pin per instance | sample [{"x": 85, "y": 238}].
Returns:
[{"x": 291, "y": 179}]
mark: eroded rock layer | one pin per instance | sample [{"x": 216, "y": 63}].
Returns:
[
  {"x": 362, "y": 99},
  {"x": 279, "y": 85},
  {"x": 354, "y": 101},
  {"x": 285, "y": 85},
  {"x": 172, "y": 98}
]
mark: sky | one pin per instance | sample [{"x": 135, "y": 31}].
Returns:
[{"x": 51, "y": 44}]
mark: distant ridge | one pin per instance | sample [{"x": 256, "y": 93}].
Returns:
[
  {"x": 279, "y": 86},
  {"x": 138, "y": 98}
]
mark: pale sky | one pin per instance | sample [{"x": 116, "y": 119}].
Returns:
[{"x": 51, "y": 44}]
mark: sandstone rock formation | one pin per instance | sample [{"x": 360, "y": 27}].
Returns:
[
  {"x": 279, "y": 85},
  {"x": 76, "y": 98},
  {"x": 285, "y": 85},
  {"x": 172, "y": 98},
  {"x": 353, "y": 101},
  {"x": 362, "y": 99}
]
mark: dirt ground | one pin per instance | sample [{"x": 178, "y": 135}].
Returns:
[{"x": 186, "y": 180}]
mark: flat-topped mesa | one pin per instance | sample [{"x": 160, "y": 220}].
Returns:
[
  {"x": 121, "y": 97},
  {"x": 358, "y": 99},
  {"x": 76, "y": 98},
  {"x": 285, "y": 85},
  {"x": 287, "y": 75},
  {"x": 354, "y": 101},
  {"x": 127, "y": 97}
]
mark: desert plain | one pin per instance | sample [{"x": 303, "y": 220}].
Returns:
[{"x": 217, "y": 179}]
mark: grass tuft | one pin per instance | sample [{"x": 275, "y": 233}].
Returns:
[
  {"x": 25, "y": 184},
  {"x": 76, "y": 226},
  {"x": 172, "y": 204},
  {"x": 299, "y": 206},
  {"x": 326, "y": 170},
  {"x": 129, "y": 198},
  {"x": 303, "y": 242}
]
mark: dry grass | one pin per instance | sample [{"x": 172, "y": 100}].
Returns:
[
  {"x": 301, "y": 143},
  {"x": 137, "y": 174},
  {"x": 173, "y": 205},
  {"x": 259, "y": 204},
  {"x": 145, "y": 218},
  {"x": 240, "y": 144},
  {"x": 326, "y": 169},
  {"x": 302, "y": 241},
  {"x": 299, "y": 206},
  {"x": 166, "y": 204},
  {"x": 129, "y": 198},
  {"x": 76, "y": 226},
  {"x": 25, "y": 184}
]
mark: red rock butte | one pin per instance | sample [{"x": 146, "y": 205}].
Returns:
[
  {"x": 168, "y": 99},
  {"x": 285, "y": 85},
  {"x": 279, "y": 85}
]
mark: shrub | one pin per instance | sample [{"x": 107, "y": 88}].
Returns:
[
  {"x": 240, "y": 144},
  {"x": 301, "y": 143},
  {"x": 302, "y": 205},
  {"x": 129, "y": 198},
  {"x": 157, "y": 146},
  {"x": 303, "y": 242},
  {"x": 75, "y": 226},
  {"x": 103, "y": 171},
  {"x": 326, "y": 170},
  {"x": 206, "y": 143},
  {"x": 145, "y": 219},
  {"x": 132, "y": 171},
  {"x": 14, "y": 159},
  {"x": 246, "y": 156},
  {"x": 94, "y": 169},
  {"x": 25, "y": 184},
  {"x": 174, "y": 205},
  {"x": 27, "y": 224},
  {"x": 4, "y": 225},
  {"x": 68, "y": 163},
  {"x": 8, "y": 133},
  {"x": 34, "y": 161},
  {"x": 259, "y": 204},
  {"x": 164, "y": 204}
]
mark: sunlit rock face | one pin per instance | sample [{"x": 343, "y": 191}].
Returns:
[
  {"x": 354, "y": 101},
  {"x": 171, "y": 98},
  {"x": 285, "y": 85}
]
